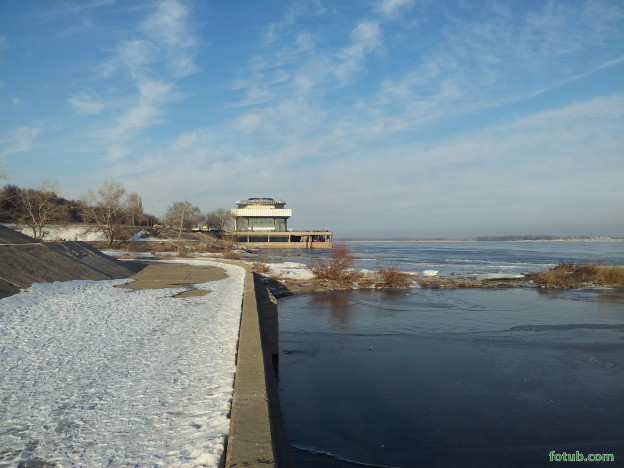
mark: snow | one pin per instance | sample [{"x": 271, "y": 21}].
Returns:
[
  {"x": 290, "y": 270},
  {"x": 65, "y": 233},
  {"x": 92, "y": 374},
  {"x": 138, "y": 236},
  {"x": 430, "y": 273}
]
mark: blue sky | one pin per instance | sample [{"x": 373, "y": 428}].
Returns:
[{"x": 393, "y": 117}]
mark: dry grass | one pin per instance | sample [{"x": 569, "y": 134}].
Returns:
[
  {"x": 393, "y": 278},
  {"x": 579, "y": 275},
  {"x": 455, "y": 282},
  {"x": 261, "y": 268},
  {"x": 231, "y": 255}
]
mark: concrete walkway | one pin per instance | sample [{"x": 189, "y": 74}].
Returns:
[{"x": 257, "y": 435}]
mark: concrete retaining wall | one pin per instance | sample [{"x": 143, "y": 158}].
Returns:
[{"x": 257, "y": 434}]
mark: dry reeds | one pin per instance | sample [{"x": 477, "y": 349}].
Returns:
[
  {"x": 260, "y": 268},
  {"x": 456, "y": 282},
  {"x": 569, "y": 275},
  {"x": 393, "y": 278}
]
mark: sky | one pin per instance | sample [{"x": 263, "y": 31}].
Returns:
[{"x": 418, "y": 118}]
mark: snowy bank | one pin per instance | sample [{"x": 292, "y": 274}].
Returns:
[
  {"x": 69, "y": 232},
  {"x": 93, "y": 374}
]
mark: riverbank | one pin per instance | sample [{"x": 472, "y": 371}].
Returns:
[{"x": 566, "y": 276}]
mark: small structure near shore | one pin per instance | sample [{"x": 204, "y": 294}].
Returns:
[{"x": 263, "y": 223}]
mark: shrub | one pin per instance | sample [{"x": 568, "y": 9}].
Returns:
[
  {"x": 393, "y": 278},
  {"x": 336, "y": 267}
]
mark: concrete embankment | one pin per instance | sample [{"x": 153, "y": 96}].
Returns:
[
  {"x": 24, "y": 261},
  {"x": 257, "y": 434}
]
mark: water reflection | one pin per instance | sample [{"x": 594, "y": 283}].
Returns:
[{"x": 339, "y": 307}]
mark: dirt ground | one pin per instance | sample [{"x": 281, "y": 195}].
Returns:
[{"x": 175, "y": 275}]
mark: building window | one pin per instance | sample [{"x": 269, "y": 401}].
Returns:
[
  {"x": 261, "y": 224},
  {"x": 242, "y": 224}
]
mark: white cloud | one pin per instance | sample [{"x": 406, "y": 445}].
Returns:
[
  {"x": 86, "y": 104},
  {"x": 365, "y": 38},
  {"x": 18, "y": 140},
  {"x": 391, "y": 7},
  {"x": 153, "y": 55},
  {"x": 168, "y": 27},
  {"x": 134, "y": 56},
  {"x": 118, "y": 153},
  {"x": 146, "y": 110}
]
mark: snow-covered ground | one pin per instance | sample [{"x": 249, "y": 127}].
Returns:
[
  {"x": 65, "y": 233},
  {"x": 94, "y": 375},
  {"x": 290, "y": 270}
]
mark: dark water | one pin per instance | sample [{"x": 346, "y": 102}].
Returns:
[{"x": 449, "y": 378}]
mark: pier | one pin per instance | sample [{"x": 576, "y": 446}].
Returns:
[
  {"x": 257, "y": 434},
  {"x": 283, "y": 240}
]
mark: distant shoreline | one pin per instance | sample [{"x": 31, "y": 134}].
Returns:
[{"x": 480, "y": 239}]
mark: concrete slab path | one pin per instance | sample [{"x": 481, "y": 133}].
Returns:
[{"x": 175, "y": 275}]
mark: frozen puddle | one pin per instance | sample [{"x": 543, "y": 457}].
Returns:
[{"x": 94, "y": 375}]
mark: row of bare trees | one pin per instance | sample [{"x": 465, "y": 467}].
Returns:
[
  {"x": 109, "y": 209},
  {"x": 36, "y": 207}
]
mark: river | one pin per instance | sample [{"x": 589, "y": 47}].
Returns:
[{"x": 455, "y": 377}]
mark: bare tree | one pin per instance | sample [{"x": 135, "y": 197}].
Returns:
[
  {"x": 135, "y": 207},
  {"x": 38, "y": 207},
  {"x": 220, "y": 218},
  {"x": 107, "y": 209},
  {"x": 181, "y": 215}
]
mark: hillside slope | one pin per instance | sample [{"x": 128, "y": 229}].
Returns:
[{"x": 24, "y": 260}]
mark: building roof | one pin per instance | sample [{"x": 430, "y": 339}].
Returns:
[{"x": 260, "y": 201}]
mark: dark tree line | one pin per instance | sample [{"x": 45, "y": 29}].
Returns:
[
  {"x": 108, "y": 209},
  {"x": 17, "y": 204}
]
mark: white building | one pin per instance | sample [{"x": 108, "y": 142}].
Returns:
[
  {"x": 263, "y": 223},
  {"x": 261, "y": 214}
]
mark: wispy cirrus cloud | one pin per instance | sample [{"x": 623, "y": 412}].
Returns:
[
  {"x": 18, "y": 140},
  {"x": 392, "y": 7},
  {"x": 86, "y": 104},
  {"x": 146, "y": 110},
  {"x": 169, "y": 27},
  {"x": 151, "y": 57},
  {"x": 298, "y": 61},
  {"x": 132, "y": 56}
]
